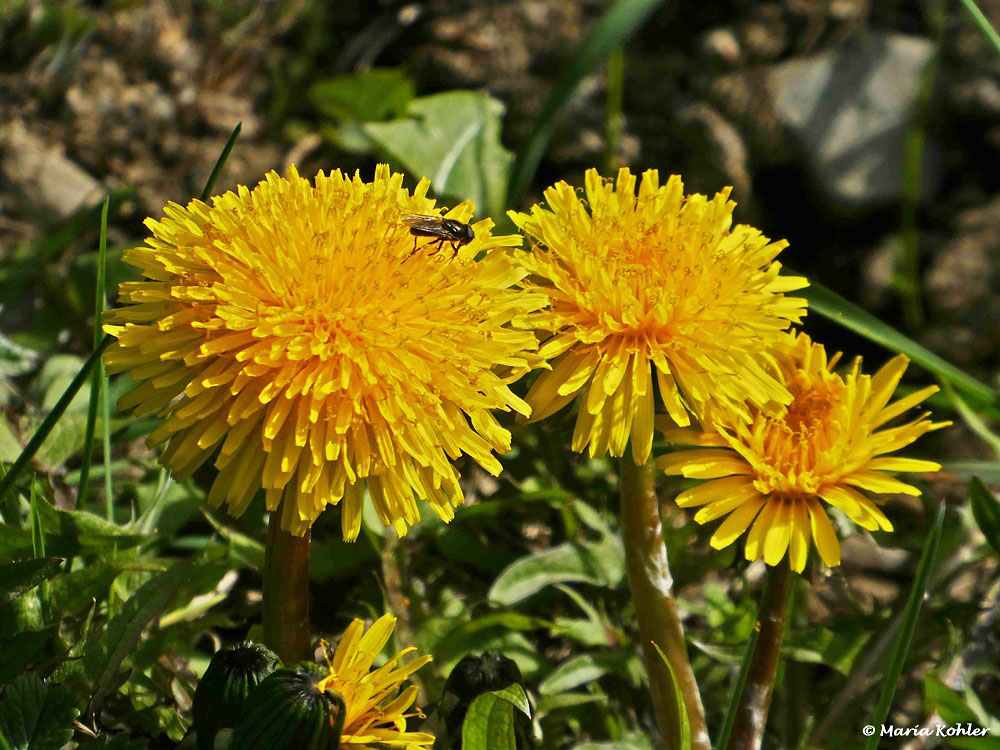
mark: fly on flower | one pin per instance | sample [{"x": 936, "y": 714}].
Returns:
[{"x": 443, "y": 230}]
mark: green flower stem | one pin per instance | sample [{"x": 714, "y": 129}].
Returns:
[
  {"x": 650, "y": 584},
  {"x": 286, "y": 593},
  {"x": 751, "y": 714}
]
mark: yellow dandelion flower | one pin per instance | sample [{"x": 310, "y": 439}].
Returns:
[
  {"x": 657, "y": 281},
  {"x": 376, "y": 709},
  {"x": 293, "y": 332},
  {"x": 774, "y": 472}
]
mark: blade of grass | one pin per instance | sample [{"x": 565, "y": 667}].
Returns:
[
  {"x": 971, "y": 419},
  {"x": 617, "y": 25},
  {"x": 52, "y": 417},
  {"x": 737, "y": 694},
  {"x": 894, "y": 667},
  {"x": 96, "y": 382},
  {"x": 684, "y": 728},
  {"x": 831, "y": 305},
  {"x": 221, "y": 162},
  {"x": 38, "y": 550},
  {"x": 982, "y": 22},
  {"x": 109, "y": 497}
]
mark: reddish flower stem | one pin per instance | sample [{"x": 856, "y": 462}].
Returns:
[
  {"x": 650, "y": 584},
  {"x": 755, "y": 701},
  {"x": 286, "y": 593}
]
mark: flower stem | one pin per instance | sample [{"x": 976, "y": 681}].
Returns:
[
  {"x": 751, "y": 714},
  {"x": 286, "y": 593},
  {"x": 650, "y": 584}
]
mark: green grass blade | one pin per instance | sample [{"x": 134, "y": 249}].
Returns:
[
  {"x": 737, "y": 694},
  {"x": 897, "y": 658},
  {"x": 37, "y": 536},
  {"x": 221, "y": 162},
  {"x": 831, "y": 305},
  {"x": 52, "y": 417},
  {"x": 623, "y": 18},
  {"x": 972, "y": 420},
  {"x": 95, "y": 383},
  {"x": 982, "y": 22},
  {"x": 109, "y": 504},
  {"x": 684, "y": 730}
]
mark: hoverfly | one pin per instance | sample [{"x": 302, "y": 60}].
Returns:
[{"x": 443, "y": 230}]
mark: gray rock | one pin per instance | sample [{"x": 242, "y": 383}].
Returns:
[
  {"x": 50, "y": 180},
  {"x": 847, "y": 111}
]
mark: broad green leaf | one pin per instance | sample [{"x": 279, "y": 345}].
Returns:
[
  {"x": 106, "y": 650},
  {"x": 24, "y": 575},
  {"x": 616, "y": 26},
  {"x": 831, "y": 305},
  {"x": 580, "y": 670},
  {"x": 986, "y": 511},
  {"x": 368, "y": 96},
  {"x": 473, "y": 638},
  {"x": 515, "y": 695},
  {"x": 67, "y": 437},
  {"x": 949, "y": 704},
  {"x": 599, "y": 563},
  {"x": 454, "y": 139},
  {"x": 19, "y": 650},
  {"x": 546, "y": 704},
  {"x": 36, "y": 716},
  {"x": 894, "y": 666},
  {"x": 489, "y": 722}
]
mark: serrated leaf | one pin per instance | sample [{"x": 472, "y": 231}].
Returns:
[
  {"x": 489, "y": 724},
  {"x": 368, "y": 96},
  {"x": 36, "y": 716},
  {"x": 24, "y": 575},
  {"x": 599, "y": 563},
  {"x": 986, "y": 511},
  {"x": 69, "y": 533},
  {"x": 454, "y": 139},
  {"x": 106, "y": 650}
]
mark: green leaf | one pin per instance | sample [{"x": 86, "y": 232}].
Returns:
[
  {"x": 986, "y": 511},
  {"x": 616, "y": 26},
  {"x": 106, "y": 650},
  {"x": 24, "y": 575},
  {"x": 825, "y": 646},
  {"x": 599, "y": 563},
  {"x": 515, "y": 695},
  {"x": 489, "y": 724},
  {"x": 19, "y": 650},
  {"x": 36, "y": 716},
  {"x": 369, "y": 96},
  {"x": 68, "y": 533},
  {"x": 66, "y": 439},
  {"x": 831, "y": 305},
  {"x": 684, "y": 729},
  {"x": 579, "y": 670},
  {"x": 453, "y": 139},
  {"x": 247, "y": 549},
  {"x": 901, "y": 648},
  {"x": 949, "y": 704}
]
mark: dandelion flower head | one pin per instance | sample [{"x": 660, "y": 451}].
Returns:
[
  {"x": 376, "y": 708},
  {"x": 776, "y": 474},
  {"x": 292, "y": 332},
  {"x": 654, "y": 280}
]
